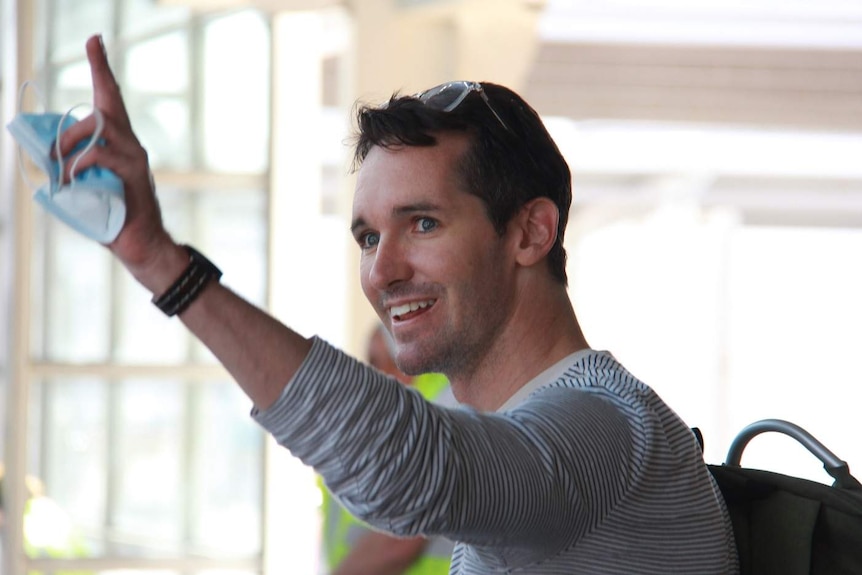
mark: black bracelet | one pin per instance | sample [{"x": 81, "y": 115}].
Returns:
[{"x": 189, "y": 285}]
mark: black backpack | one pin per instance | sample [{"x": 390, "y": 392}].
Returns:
[{"x": 787, "y": 525}]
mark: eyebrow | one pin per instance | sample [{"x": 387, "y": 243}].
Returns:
[{"x": 399, "y": 211}]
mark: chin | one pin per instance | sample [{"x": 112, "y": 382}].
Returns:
[
  {"x": 412, "y": 368},
  {"x": 414, "y": 362}
]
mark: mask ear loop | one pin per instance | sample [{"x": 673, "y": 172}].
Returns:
[
  {"x": 100, "y": 125},
  {"x": 41, "y": 99}
]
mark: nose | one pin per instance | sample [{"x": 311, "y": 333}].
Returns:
[{"x": 389, "y": 264}]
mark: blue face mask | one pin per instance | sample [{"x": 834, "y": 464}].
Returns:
[{"x": 93, "y": 202}]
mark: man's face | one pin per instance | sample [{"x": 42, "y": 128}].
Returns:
[{"x": 432, "y": 266}]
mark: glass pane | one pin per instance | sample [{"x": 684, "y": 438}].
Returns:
[
  {"x": 230, "y": 228},
  {"x": 160, "y": 65},
  {"x": 225, "y": 470},
  {"x": 38, "y": 285},
  {"x": 157, "y": 99},
  {"x": 40, "y": 29},
  {"x": 144, "y": 334},
  {"x": 144, "y": 468},
  {"x": 235, "y": 100},
  {"x": 234, "y": 225},
  {"x": 147, "y": 466},
  {"x": 163, "y": 126},
  {"x": 73, "y": 21},
  {"x": 77, "y": 290},
  {"x": 67, "y": 484},
  {"x": 73, "y": 86},
  {"x": 145, "y": 16}
]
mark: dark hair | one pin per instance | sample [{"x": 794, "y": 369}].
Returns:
[{"x": 506, "y": 167}]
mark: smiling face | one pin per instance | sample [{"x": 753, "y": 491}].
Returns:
[{"x": 432, "y": 266}]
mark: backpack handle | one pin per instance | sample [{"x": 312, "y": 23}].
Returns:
[{"x": 835, "y": 467}]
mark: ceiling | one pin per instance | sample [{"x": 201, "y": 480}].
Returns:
[{"x": 765, "y": 63}]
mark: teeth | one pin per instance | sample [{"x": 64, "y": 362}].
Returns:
[{"x": 400, "y": 310}]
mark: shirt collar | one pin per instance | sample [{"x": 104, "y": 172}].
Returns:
[{"x": 548, "y": 376}]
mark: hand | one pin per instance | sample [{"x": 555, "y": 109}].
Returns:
[{"x": 143, "y": 245}]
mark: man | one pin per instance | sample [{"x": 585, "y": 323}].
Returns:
[
  {"x": 566, "y": 463},
  {"x": 349, "y": 547}
]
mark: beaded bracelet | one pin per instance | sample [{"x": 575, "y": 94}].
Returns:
[{"x": 189, "y": 285}]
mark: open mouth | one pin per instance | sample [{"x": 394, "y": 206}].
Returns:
[{"x": 409, "y": 310}]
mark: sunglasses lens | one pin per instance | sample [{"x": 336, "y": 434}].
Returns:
[{"x": 445, "y": 97}]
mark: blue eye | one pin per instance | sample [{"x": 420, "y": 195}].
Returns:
[
  {"x": 426, "y": 224},
  {"x": 369, "y": 240}
]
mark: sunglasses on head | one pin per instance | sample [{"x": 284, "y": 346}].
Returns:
[{"x": 447, "y": 97}]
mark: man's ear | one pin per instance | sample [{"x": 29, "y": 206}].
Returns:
[{"x": 536, "y": 223}]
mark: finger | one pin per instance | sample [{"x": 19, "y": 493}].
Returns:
[
  {"x": 125, "y": 163},
  {"x": 82, "y": 131},
  {"x": 85, "y": 127},
  {"x": 113, "y": 144},
  {"x": 106, "y": 91},
  {"x": 74, "y": 134}
]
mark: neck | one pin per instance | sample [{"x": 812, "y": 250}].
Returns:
[{"x": 539, "y": 334}]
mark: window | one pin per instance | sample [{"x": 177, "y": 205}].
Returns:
[{"x": 139, "y": 441}]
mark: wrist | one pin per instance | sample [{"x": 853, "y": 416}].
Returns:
[
  {"x": 189, "y": 285},
  {"x": 167, "y": 262}
]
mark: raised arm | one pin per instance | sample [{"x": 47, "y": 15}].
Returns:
[{"x": 261, "y": 353}]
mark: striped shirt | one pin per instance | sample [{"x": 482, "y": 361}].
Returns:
[{"x": 591, "y": 473}]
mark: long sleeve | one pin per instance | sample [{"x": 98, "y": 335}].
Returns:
[{"x": 406, "y": 466}]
